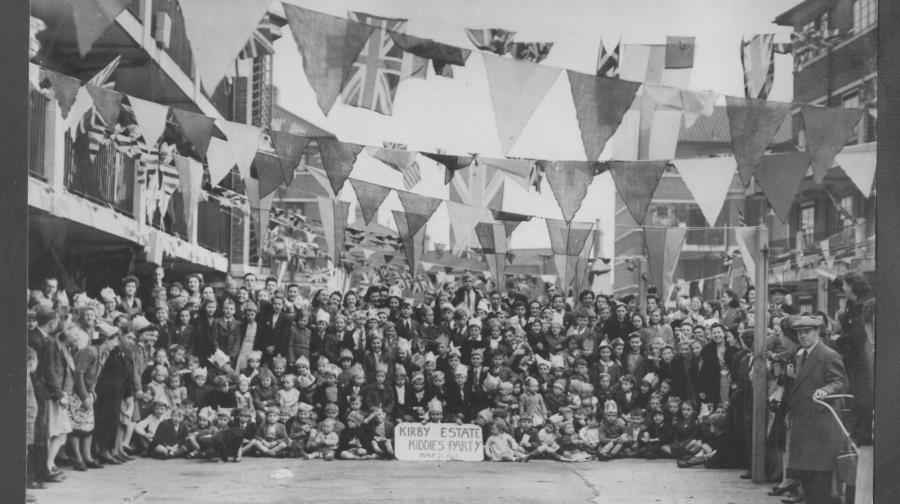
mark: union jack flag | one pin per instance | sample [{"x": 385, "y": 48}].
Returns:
[
  {"x": 495, "y": 40},
  {"x": 405, "y": 163},
  {"x": 477, "y": 185},
  {"x": 531, "y": 51},
  {"x": 376, "y": 73},
  {"x": 261, "y": 42}
]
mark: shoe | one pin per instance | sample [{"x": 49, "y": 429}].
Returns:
[
  {"x": 793, "y": 499},
  {"x": 35, "y": 485},
  {"x": 54, "y": 478},
  {"x": 110, "y": 460},
  {"x": 126, "y": 457},
  {"x": 746, "y": 475},
  {"x": 93, "y": 465},
  {"x": 780, "y": 490},
  {"x": 79, "y": 466}
]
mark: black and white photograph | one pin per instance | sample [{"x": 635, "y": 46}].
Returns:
[{"x": 440, "y": 251}]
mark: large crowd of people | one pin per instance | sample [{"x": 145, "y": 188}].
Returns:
[{"x": 183, "y": 369}]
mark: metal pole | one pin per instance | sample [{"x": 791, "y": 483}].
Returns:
[
  {"x": 642, "y": 285},
  {"x": 760, "y": 408}
]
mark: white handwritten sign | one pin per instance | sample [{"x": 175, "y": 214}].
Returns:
[{"x": 438, "y": 441}]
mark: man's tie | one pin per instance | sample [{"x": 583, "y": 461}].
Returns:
[{"x": 802, "y": 359}]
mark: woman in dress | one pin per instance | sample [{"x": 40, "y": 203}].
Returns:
[
  {"x": 58, "y": 377},
  {"x": 81, "y": 405},
  {"x": 248, "y": 330},
  {"x": 115, "y": 383}
]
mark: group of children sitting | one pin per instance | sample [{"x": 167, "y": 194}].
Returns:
[{"x": 273, "y": 410}]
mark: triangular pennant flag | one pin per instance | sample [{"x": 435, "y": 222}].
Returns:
[
  {"x": 219, "y": 160},
  {"x": 451, "y": 163},
  {"x": 674, "y": 243},
  {"x": 338, "y": 159},
  {"x": 92, "y": 18},
  {"x": 65, "y": 89},
  {"x": 570, "y": 181},
  {"x": 708, "y": 179},
  {"x": 779, "y": 177},
  {"x": 858, "y": 162},
  {"x": 418, "y": 209},
  {"x": 696, "y": 103},
  {"x": 190, "y": 176},
  {"x": 463, "y": 219},
  {"x": 290, "y": 150},
  {"x": 566, "y": 270},
  {"x": 333, "y": 214},
  {"x": 198, "y": 129},
  {"x": 321, "y": 178},
  {"x": 523, "y": 171},
  {"x": 151, "y": 118},
  {"x": 568, "y": 238},
  {"x": 754, "y": 124},
  {"x": 490, "y": 240},
  {"x": 827, "y": 130},
  {"x": 600, "y": 103},
  {"x": 655, "y": 241},
  {"x": 107, "y": 103},
  {"x": 413, "y": 243},
  {"x": 217, "y": 30},
  {"x": 510, "y": 220},
  {"x": 367, "y": 253},
  {"x": 517, "y": 88},
  {"x": 244, "y": 142},
  {"x": 370, "y": 197},
  {"x": 402, "y": 160},
  {"x": 329, "y": 45},
  {"x": 636, "y": 181},
  {"x": 268, "y": 169},
  {"x": 746, "y": 238}
]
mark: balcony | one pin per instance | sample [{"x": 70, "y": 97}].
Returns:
[
  {"x": 705, "y": 240},
  {"x": 65, "y": 183}
]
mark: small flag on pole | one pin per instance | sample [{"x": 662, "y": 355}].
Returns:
[{"x": 757, "y": 56}]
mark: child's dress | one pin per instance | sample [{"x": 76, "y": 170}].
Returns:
[
  {"x": 289, "y": 401},
  {"x": 501, "y": 448},
  {"x": 532, "y": 406},
  {"x": 243, "y": 400},
  {"x": 176, "y": 396},
  {"x": 157, "y": 392},
  {"x": 590, "y": 437}
]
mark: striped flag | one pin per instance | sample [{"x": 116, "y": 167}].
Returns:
[
  {"x": 757, "y": 55},
  {"x": 96, "y": 133},
  {"x": 376, "y": 73},
  {"x": 261, "y": 42},
  {"x": 412, "y": 174},
  {"x": 101, "y": 77},
  {"x": 534, "y": 52},
  {"x": 608, "y": 62},
  {"x": 495, "y": 40}
]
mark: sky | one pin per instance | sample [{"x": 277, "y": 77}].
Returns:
[{"x": 456, "y": 114}]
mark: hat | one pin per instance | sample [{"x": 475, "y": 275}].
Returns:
[
  {"x": 301, "y": 361},
  {"x": 255, "y": 355},
  {"x": 417, "y": 376},
  {"x": 779, "y": 289},
  {"x": 139, "y": 324},
  {"x": 381, "y": 367},
  {"x": 224, "y": 412},
  {"x": 302, "y": 406},
  {"x": 163, "y": 404},
  {"x": 250, "y": 306},
  {"x": 477, "y": 351},
  {"x": 279, "y": 361},
  {"x": 806, "y": 321},
  {"x": 447, "y": 306},
  {"x": 561, "y": 382},
  {"x": 454, "y": 351},
  {"x": 531, "y": 381},
  {"x": 490, "y": 383},
  {"x": 541, "y": 361},
  {"x": 435, "y": 405},
  {"x": 45, "y": 313},
  {"x": 430, "y": 357},
  {"x": 461, "y": 370},
  {"x": 475, "y": 321},
  {"x": 323, "y": 316},
  {"x": 557, "y": 361},
  {"x": 200, "y": 371},
  {"x": 107, "y": 294},
  {"x": 346, "y": 354},
  {"x": 483, "y": 305},
  {"x": 206, "y": 413}
]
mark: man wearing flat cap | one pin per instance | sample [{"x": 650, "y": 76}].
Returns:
[{"x": 815, "y": 440}]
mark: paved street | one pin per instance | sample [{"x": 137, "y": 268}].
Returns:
[{"x": 194, "y": 482}]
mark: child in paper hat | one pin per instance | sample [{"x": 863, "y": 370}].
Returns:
[{"x": 612, "y": 428}]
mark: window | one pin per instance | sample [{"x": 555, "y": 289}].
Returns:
[
  {"x": 808, "y": 224},
  {"x": 865, "y": 14},
  {"x": 847, "y": 211}
]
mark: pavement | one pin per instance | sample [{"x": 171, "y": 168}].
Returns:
[{"x": 251, "y": 481}]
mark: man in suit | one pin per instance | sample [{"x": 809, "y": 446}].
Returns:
[
  {"x": 407, "y": 327},
  {"x": 467, "y": 295},
  {"x": 427, "y": 302},
  {"x": 276, "y": 330},
  {"x": 815, "y": 439}
]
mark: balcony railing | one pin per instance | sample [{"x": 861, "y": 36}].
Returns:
[
  {"x": 108, "y": 178},
  {"x": 705, "y": 239},
  {"x": 37, "y": 132}
]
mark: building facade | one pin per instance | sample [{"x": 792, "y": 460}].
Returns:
[{"x": 87, "y": 225}]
